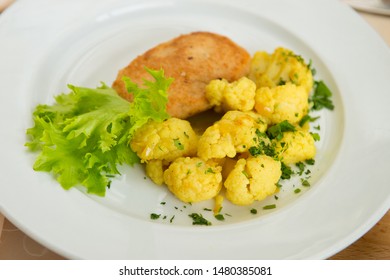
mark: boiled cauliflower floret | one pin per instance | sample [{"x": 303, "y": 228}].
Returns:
[
  {"x": 165, "y": 141},
  {"x": 155, "y": 170},
  {"x": 288, "y": 102},
  {"x": 281, "y": 67},
  {"x": 295, "y": 146},
  {"x": 234, "y": 133},
  {"x": 225, "y": 96},
  {"x": 252, "y": 179},
  {"x": 193, "y": 180}
]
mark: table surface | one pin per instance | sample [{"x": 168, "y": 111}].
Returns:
[{"x": 375, "y": 244}]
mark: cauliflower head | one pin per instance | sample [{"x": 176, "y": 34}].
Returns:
[
  {"x": 155, "y": 170},
  {"x": 238, "y": 95},
  {"x": 288, "y": 102},
  {"x": 252, "y": 179},
  {"x": 165, "y": 141},
  {"x": 234, "y": 133},
  {"x": 295, "y": 146},
  {"x": 281, "y": 67},
  {"x": 193, "y": 179}
]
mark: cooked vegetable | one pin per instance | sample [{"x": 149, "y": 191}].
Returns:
[
  {"x": 234, "y": 133},
  {"x": 295, "y": 146},
  {"x": 191, "y": 181},
  {"x": 86, "y": 133},
  {"x": 225, "y": 96},
  {"x": 279, "y": 68},
  {"x": 287, "y": 102},
  {"x": 166, "y": 141},
  {"x": 257, "y": 182}
]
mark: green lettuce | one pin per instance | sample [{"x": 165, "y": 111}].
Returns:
[{"x": 85, "y": 135}]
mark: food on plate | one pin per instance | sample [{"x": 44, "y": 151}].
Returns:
[
  {"x": 234, "y": 133},
  {"x": 286, "y": 102},
  {"x": 85, "y": 135},
  {"x": 253, "y": 178},
  {"x": 262, "y": 134},
  {"x": 296, "y": 146},
  {"x": 192, "y": 60},
  {"x": 263, "y": 131},
  {"x": 281, "y": 67},
  {"x": 237, "y": 95},
  {"x": 192, "y": 179},
  {"x": 165, "y": 140}
]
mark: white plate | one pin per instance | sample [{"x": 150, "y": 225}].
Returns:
[{"x": 46, "y": 44}]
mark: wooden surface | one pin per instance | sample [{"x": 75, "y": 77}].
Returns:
[{"x": 374, "y": 245}]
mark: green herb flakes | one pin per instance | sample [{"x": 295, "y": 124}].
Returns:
[
  {"x": 178, "y": 144},
  {"x": 155, "y": 216},
  {"x": 305, "y": 183},
  {"x": 286, "y": 172},
  {"x": 197, "y": 219},
  {"x": 219, "y": 217},
  {"x": 321, "y": 97},
  {"x": 276, "y": 131},
  {"x": 269, "y": 207},
  {"x": 209, "y": 171}
]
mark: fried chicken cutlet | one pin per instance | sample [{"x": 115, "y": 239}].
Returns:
[{"x": 193, "y": 60}]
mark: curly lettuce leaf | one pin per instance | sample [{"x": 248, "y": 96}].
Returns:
[{"x": 85, "y": 135}]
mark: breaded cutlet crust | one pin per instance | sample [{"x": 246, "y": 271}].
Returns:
[{"x": 193, "y": 60}]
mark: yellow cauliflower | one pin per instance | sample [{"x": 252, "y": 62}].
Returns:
[
  {"x": 155, "y": 170},
  {"x": 165, "y": 141},
  {"x": 288, "y": 102},
  {"x": 252, "y": 179},
  {"x": 234, "y": 133},
  {"x": 283, "y": 66},
  {"x": 238, "y": 95},
  {"x": 193, "y": 179},
  {"x": 295, "y": 146}
]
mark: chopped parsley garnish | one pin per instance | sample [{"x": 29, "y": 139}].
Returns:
[
  {"x": 262, "y": 147},
  {"x": 178, "y": 144},
  {"x": 154, "y": 216},
  {"x": 286, "y": 171},
  {"x": 268, "y": 207},
  {"x": 310, "y": 161},
  {"x": 316, "y": 136},
  {"x": 311, "y": 68},
  {"x": 219, "y": 217},
  {"x": 321, "y": 97},
  {"x": 305, "y": 183},
  {"x": 297, "y": 190},
  {"x": 245, "y": 173},
  {"x": 276, "y": 131},
  {"x": 171, "y": 220},
  {"x": 209, "y": 171},
  {"x": 306, "y": 119},
  {"x": 197, "y": 219},
  {"x": 254, "y": 211},
  {"x": 301, "y": 167}
]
